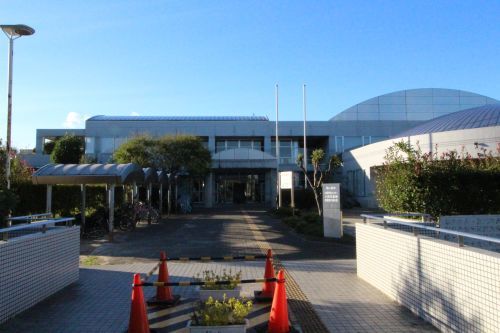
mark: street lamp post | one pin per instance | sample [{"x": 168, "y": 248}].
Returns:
[{"x": 12, "y": 31}]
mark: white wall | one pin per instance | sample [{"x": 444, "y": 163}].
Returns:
[
  {"x": 457, "y": 289},
  {"x": 35, "y": 266}
]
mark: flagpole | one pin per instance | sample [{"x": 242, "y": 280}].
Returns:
[
  {"x": 305, "y": 133},
  {"x": 278, "y": 180}
]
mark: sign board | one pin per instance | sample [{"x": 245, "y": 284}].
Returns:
[
  {"x": 286, "y": 180},
  {"x": 332, "y": 215}
]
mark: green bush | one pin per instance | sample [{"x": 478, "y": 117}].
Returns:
[
  {"x": 448, "y": 184},
  {"x": 8, "y": 201},
  {"x": 292, "y": 221},
  {"x": 210, "y": 277},
  {"x": 284, "y": 212},
  {"x": 312, "y": 217},
  {"x": 67, "y": 150},
  {"x": 230, "y": 311},
  {"x": 66, "y": 199}
]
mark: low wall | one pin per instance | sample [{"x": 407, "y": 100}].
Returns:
[
  {"x": 35, "y": 266},
  {"x": 456, "y": 289}
]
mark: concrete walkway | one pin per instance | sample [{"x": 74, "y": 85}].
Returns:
[{"x": 324, "y": 273}]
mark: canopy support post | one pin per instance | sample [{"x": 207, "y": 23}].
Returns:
[
  {"x": 111, "y": 211},
  {"x": 169, "y": 199},
  {"x": 84, "y": 195},
  {"x": 134, "y": 192},
  {"x": 48, "y": 207},
  {"x": 160, "y": 195},
  {"x": 148, "y": 194}
]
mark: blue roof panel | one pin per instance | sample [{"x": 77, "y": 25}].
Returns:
[
  {"x": 482, "y": 116},
  {"x": 178, "y": 118}
]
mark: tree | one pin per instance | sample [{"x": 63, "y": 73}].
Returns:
[
  {"x": 67, "y": 150},
  {"x": 142, "y": 150},
  {"x": 319, "y": 174},
  {"x": 184, "y": 153},
  {"x": 172, "y": 153}
]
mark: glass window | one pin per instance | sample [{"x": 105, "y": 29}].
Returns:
[
  {"x": 107, "y": 145},
  {"x": 359, "y": 183},
  {"x": 351, "y": 142},
  {"x": 197, "y": 191},
  {"x": 232, "y": 144},
  {"x": 245, "y": 144},
  {"x": 89, "y": 145},
  {"x": 257, "y": 145},
  {"x": 220, "y": 146}
]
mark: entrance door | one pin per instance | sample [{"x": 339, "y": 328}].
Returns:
[
  {"x": 240, "y": 188},
  {"x": 239, "y": 192}
]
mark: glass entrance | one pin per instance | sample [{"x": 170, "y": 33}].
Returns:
[{"x": 240, "y": 188}]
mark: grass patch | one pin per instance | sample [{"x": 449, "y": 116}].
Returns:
[{"x": 90, "y": 261}]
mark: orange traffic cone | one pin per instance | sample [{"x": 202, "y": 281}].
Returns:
[
  {"x": 266, "y": 295},
  {"x": 278, "y": 320},
  {"x": 164, "y": 293},
  {"x": 138, "y": 322}
]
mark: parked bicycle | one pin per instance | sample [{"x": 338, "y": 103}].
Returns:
[
  {"x": 96, "y": 225},
  {"x": 125, "y": 217}
]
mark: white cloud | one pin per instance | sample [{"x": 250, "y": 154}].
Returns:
[
  {"x": 74, "y": 120},
  {"x": 135, "y": 114}
]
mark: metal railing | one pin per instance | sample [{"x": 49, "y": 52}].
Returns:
[
  {"x": 417, "y": 228},
  {"x": 30, "y": 228},
  {"x": 30, "y": 218}
]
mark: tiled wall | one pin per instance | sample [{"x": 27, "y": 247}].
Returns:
[
  {"x": 35, "y": 266},
  {"x": 456, "y": 289}
]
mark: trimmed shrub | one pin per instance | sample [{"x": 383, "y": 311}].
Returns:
[{"x": 448, "y": 184}]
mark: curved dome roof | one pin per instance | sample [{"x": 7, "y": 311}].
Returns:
[
  {"x": 482, "y": 116},
  {"x": 414, "y": 105}
]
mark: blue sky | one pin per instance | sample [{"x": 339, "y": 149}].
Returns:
[{"x": 220, "y": 57}]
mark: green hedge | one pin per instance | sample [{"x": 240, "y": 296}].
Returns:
[
  {"x": 66, "y": 199},
  {"x": 446, "y": 184}
]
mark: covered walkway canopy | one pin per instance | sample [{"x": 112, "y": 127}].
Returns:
[
  {"x": 83, "y": 174},
  {"x": 75, "y": 174}
]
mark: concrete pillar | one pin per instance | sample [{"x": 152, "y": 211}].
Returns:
[
  {"x": 209, "y": 193},
  {"x": 331, "y": 145},
  {"x": 211, "y": 144},
  {"x": 267, "y": 145},
  {"x": 39, "y": 144},
  {"x": 48, "y": 207}
]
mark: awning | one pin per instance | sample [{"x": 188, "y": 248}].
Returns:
[
  {"x": 75, "y": 174},
  {"x": 150, "y": 176}
]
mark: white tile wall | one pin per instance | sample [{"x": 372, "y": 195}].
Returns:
[
  {"x": 35, "y": 266},
  {"x": 456, "y": 289}
]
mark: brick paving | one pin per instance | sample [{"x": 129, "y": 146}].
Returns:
[{"x": 325, "y": 272}]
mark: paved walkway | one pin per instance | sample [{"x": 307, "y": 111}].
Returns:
[{"x": 324, "y": 274}]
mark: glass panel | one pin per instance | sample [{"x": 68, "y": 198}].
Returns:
[
  {"x": 257, "y": 145},
  {"x": 107, "y": 145},
  {"x": 232, "y": 144},
  {"x": 351, "y": 142},
  {"x": 220, "y": 146},
  {"x": 245, "y": 144}
]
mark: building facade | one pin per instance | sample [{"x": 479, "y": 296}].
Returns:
[{"x": 244, "y": 148}]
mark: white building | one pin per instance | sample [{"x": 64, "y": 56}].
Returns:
[{"x": 469, "y": 130}]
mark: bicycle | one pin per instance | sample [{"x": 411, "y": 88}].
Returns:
[
  {"x": 96, "y": 226},
  {"x": 126, "y": 218}
]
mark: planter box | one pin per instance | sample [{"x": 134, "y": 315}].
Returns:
[
  {"x": 218, "y": 329},
  {"x": 218, "y": 294}
]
